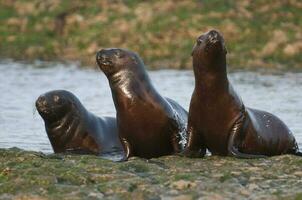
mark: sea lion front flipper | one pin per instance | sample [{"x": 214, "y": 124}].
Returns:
[
  {"x": 198, "y": 153},
  {"x": 176, "y": 137},
  {"x": 297, "y": 153},
  {"x": 235, "y": 132},
  {"x": 127, "y": 149},
  {"x": 176, "y": 142},
  {"x": 79, "y": 150},
  {"x": 195, "y": 147}
]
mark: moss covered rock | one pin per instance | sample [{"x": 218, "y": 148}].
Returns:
[{"x": 34, "y": 175}]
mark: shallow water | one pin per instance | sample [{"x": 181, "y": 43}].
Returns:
[{"x": 22, "y": 127}]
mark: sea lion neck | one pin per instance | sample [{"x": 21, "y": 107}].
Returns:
[
  {"x": 75, "y": 109},
  {"x": 210, "y": 74},
  {"x": 129, "y": 84}
]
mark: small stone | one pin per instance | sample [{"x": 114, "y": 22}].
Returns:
[
  {"x": 212, "y": 197},
  {"x": 236, "y": 173},
  {"x": 254, "y": 169},
  {"x": 6, "y": 196},
  {"x": 29, "y": 197},
  {"x": 6, "y": 171},
  {"x": 96, "y": 195},
  {"x": 298, "y": 173},
  {"x": 245, "y": 192},
  {"x": 182, "y": 184},
  {"x": 173, "y": 192},
  {"x": 180, "y": 197},
  {"x": 252, "y": 186}
]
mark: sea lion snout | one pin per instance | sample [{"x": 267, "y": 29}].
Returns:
[
  {"x": 106, "y": 56},
  {"x": 109, "y": 52},
  {"x": 41, "y": 103},
  {"x": 101, "y": 55},
  {"x": 211, "y": 42},
  {"x": 53, "y": 103},
  {"x": 111, "y": 60},
  {"x": 213, "y": 36}
]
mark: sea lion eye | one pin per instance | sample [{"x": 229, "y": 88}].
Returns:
[
  {"x": 198, "y": 41},
  {"x": 56, "y": 98},
  {"x": 117, "y": 53}
]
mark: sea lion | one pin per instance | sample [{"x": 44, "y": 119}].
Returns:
[
  {"x": 219, "y": 121},
  {"x": 72, "y": 129},
  {"x": 148, "y": 124}
]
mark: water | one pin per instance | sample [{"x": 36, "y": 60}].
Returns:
[{"x": 22, "y": 127}]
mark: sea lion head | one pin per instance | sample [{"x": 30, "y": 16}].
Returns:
[
  {"x": 113, "y": 60},
  {"x": 54, "y": 105},
  {"x": 209, "y": 48}
]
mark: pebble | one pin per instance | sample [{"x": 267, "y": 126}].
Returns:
[{"x": 182, "y": 184}]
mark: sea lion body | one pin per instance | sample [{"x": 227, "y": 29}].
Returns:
[
  {"x": 219, "y": 121},
  {"x": 149, "y": 125},
  {"x": 265, "y": 132},
  {"x": 73, "y": 129}
]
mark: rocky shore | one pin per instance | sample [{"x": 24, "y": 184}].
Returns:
[{"x": 34, "y": 175}]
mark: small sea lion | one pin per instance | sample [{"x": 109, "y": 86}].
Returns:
[
  {"x": 71, "y": 128},
  {"x": 148, "y": 124},
  {"x": 219, "y": 121}
]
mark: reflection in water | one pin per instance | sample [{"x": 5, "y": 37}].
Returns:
[{"x": 21, "y": 126}]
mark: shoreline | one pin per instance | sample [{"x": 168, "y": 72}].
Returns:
[
  {"x": 28, "y": 174},
  {"x": 77, "y": 64}
]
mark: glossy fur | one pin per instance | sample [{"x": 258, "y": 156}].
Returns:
[
  {"x": 149, "y": 125},
  {"x": 71, "y": 128},
  {"x": 218, "y": 120}
]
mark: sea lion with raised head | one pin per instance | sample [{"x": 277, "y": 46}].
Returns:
[
  {"x": 72, "y": 129},
  {"x": 148, "y": 124},
  {"x": 219, "y": 121}
]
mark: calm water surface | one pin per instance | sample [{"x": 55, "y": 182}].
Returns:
[{"x": 21, "y": 126}]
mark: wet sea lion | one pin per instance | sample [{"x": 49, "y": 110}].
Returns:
[
  {"x": 148, "y": 124},
  {"x": 219, "y": 121},
  {"x": 72, "y": 129}
]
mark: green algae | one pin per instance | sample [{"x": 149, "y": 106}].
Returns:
[{"x": 25, "y": 174}]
